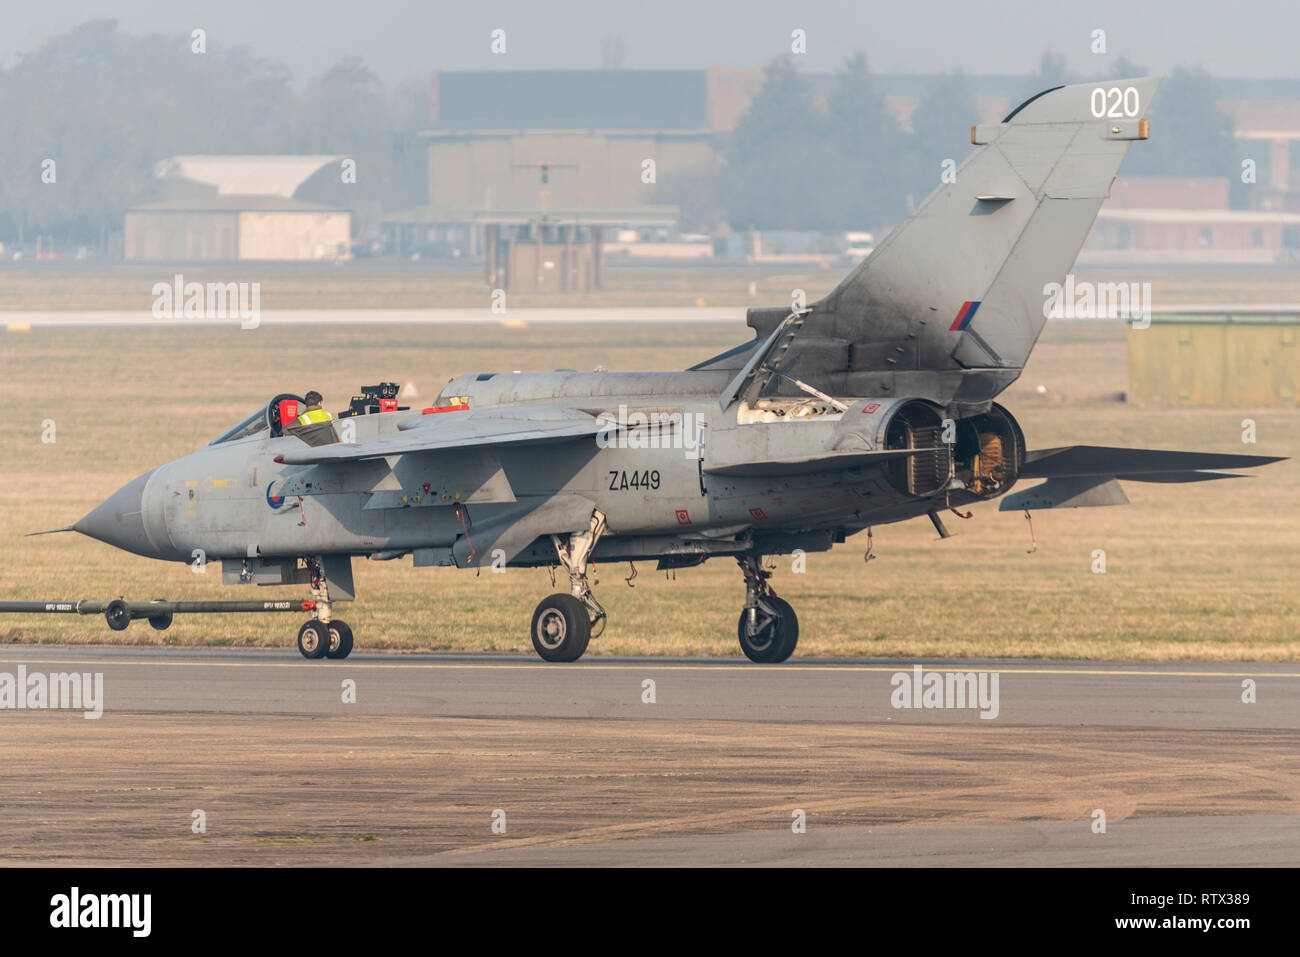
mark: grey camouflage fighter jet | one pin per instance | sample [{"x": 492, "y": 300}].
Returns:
[{"x": 870, "y": 406}]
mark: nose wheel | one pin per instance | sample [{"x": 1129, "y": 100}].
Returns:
[
  {"x": 313, "y": 639},
  {"x": 340, "y": 640},
  {"x": 317, "y": 638}
]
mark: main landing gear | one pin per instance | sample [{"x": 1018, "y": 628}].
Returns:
[
  {"x": 768, "y": 628},
  {"x": 564, "y": 624},
  {"x": 323, "y": 636}
]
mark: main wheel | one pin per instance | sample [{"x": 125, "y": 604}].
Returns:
[
  {"x": 561, "y": 628},
  {"x": 313, "y": 639},
  {"x": 340, "y": 640},
  {"x": 776, "y": 639}
]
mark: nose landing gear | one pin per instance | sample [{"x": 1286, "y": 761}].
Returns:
[{"x": 323, "y": 636}]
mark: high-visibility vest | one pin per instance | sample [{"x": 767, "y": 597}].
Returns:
[{"x": 314, "y": 415}]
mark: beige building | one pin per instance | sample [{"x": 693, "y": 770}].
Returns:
[
  {"x": 250, "y": 227},
  {"x": 230, "y": 208},
  {"x": 532, "y": 170},
  {"x": 495, "y": 171}
]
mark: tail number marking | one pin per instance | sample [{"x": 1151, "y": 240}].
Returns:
[
  {"x": 1114, "y": 102},
  {"x": 621, "y": 481}
]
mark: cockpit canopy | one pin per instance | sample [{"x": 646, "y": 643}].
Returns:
[
  {"x": 273, "y": 419},
  {"x": 265, "y": 420}
]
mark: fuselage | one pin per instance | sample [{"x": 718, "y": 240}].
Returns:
[{"x": 671, "y": 479}]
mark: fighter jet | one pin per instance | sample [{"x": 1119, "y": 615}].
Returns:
[{"x": 875, "y": 404}]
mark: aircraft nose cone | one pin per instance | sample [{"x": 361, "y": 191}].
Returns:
[{"x": 119, "y": 520}]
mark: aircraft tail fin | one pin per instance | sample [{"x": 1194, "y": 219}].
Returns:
[{"x": 950, "y": 304}]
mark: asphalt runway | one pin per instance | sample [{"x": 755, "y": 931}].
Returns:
[{"x": 584, "y": 769}]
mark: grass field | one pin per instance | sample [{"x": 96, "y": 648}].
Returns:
[
  {"x": 384, "y": 284},
  {"x": 1204, "y": 571}
]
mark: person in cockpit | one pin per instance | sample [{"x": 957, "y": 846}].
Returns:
[{"x": 314, "y": 412}]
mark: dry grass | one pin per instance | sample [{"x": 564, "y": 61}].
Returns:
[
  {"x": 367, "y": 284},
  {"x": 1203, "y": 571},
  {"x": 386, "y": 285}
]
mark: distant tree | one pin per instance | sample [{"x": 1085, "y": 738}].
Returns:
[
  {"x": 781, "y": 112},
  {"x": 695, "y": 194},
  {"x": 774, "y": 157},
  {"x": 107, "y": 106},
  {"x": 1190, "y": 134},
  {"x": 868, "y": 175},
  {"x": 941, "y": 126},
  {"x": 339, "y": 106},
  {"x": 345, "y": 111},
  {"x": 1125, "y": 69},
  {"x": 409, "y": 114},
  {"x": 1053, "y": 71}
]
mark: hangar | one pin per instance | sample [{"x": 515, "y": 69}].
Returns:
[
  {"x": 529, "y": 169},
  {"x": 230, "y": 208}
]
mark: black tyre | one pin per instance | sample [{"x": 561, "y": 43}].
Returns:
[
  {"x": 340, "y": 640},
  {"x": 561, "y": 628},
  {"x": 776, "y": 640},
  {"x": 117, "y": 615},
  {"x": 313, "y": 639},
  {"x": 161, "y": 622}
]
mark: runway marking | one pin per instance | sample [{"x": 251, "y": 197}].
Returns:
[{"x": 624, "y": 666}]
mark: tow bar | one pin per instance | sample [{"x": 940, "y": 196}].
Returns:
[{"x": 119, "y": 612}]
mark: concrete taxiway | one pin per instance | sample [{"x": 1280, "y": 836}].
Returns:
[{"x": 646, "y": 761}]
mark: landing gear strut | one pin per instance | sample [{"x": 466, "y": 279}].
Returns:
[
  {"x": 768, "y": 628},
  {"x": 564, "y": 624},
  {"x": 323, "y": 636}
]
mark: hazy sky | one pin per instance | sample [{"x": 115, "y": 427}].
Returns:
[{"x": 400, "y": 38}]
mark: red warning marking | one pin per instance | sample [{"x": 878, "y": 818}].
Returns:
[
  {"x": 870, "y": 408},
  {"x": 683, "y": 517},
  {"x": 757, "y": 513}
]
